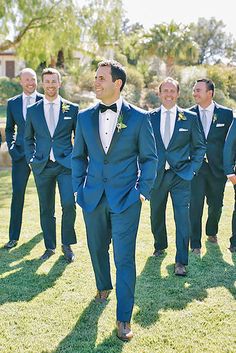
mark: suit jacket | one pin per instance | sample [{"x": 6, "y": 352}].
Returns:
[
  {"x": 129, "y": 167},
  {"x": 229, "y": 153},
  {"x": 15, "y": 139},
  {"x": 38, "y": 141},
  {"x": 186, "y": 148},
  {"x": 221, "y": 122}
]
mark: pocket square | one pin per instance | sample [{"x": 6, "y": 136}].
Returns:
[
  {"x": 67, "y": 117},
  {"x": 220, "y": 125},
  {"x": 181, "y": 129}
]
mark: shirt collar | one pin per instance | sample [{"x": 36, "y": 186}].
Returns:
[
  {"x": 32, "y": 95},
  {"x": 118, "y": 103},
  {"x": 209, "y": 109},
  {"x": 173, "y": 110},
  {"x": 56, "y": 101}
]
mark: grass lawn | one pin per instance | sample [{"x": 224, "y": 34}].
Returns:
[{"x": 48, "y": 307}]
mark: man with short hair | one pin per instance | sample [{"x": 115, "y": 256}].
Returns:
[
  {"x": 229, "y": 158},
  {"x": 180, "y": 151},
  {"x": 50, "y": 125},
  {"x": 210, "y": 182},
  {"x": 113, "y": 169},
  {"x": 15, "y": 128}
]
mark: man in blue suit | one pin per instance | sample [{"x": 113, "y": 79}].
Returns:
[
  {"x": 210, "y": 182},
  {"x": 180, "y": 151},
  {"x": 229, "y": 158},
  {"x": 113, "y": 169},
  {"x": 15, "y": 128},
  {"x": 50, "y": 125}
]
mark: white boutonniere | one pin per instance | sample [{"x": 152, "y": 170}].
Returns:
[
  {"x": 181, "y": 116},
  {"x": 120, "y": 125},
  {"x": 214, "y": 119},
  {"x": 65, "y": 107}
]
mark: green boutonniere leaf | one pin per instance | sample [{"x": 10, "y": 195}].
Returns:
[
  {"x": 181, "y": 116},
  {"x": 65, "y": 107},
  {"x": 120, "y": 125}
]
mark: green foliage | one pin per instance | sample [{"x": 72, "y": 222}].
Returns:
[
  {"x": 134, "y": 85},
  {"x": 214, "y": 44},
  {"x": 171, "y": 42},
  {"x": 8, "y": 88}
]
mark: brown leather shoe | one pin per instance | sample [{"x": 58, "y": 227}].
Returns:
[
  {"x": 180, "y": 269},
  {"x": 196, "y": 251},
  {"x": 124, "y": 331},
  {"x": 232, "y": 249},
  {"x": 101, "y": 296},
  {"x": 213, "y": 239}
]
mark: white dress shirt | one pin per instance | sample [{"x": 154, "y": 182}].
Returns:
[
  {"x": 173, "y": 112},
  {"x": 209, "y": 114},
  {"x": 107, "y": 124},
  {"x": 56, "y": 110},
  {"x": 24, "y": 100}
]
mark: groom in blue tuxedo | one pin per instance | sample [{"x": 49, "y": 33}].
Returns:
[
  {"x": 50, "y": 125},
  {"x": 113, "y": 169},
  {"x": 15, "y": 128},
  {"x": 229, "y": 159},
  {"x": 180, "y": 151},
  {"x": 209, "y": 184}
]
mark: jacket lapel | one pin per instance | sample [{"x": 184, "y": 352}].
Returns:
[
  {"x": 95, "y": 127},
  {"x": 41, "y": 113},
  {"x": 21, "y": 108},
  {"x": 60, "y": 119},
  {"x": 156, "y": 124},
  {"x": 124, "y": 113}
]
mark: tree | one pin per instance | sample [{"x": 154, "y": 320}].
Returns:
[
  {"x": 214, "y": 44},
  {"x": 172, "y": 43},
  {"x": 39, "y": 29},
  {"x": 100, "y": 22}
]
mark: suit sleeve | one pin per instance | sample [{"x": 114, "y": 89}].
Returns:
[
  {"x": 79, "y": 160},
  {"x": 229, "y": 153},
  {"x": 29, "y": 140},
  {"x": 147, "y": 157},
  {"x": 198, "y": 145}
]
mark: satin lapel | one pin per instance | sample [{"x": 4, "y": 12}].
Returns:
[
  {"x": 200, "y": 122},
  {"x": 95, "y": 127},
  {"x": 125, "y": 113}
]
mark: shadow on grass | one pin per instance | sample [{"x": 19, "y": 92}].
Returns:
[
  {"x": 24, "y": 283},
  {"x": 155, "y": 293},
  {"x": 84, "y": 335}
]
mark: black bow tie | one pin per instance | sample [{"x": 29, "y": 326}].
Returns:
[{"x": 103, "y": 107}]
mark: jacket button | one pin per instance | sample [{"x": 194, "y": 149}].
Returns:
[{"x": 105, "y": 180}]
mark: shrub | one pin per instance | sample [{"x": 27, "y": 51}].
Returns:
[{"x": 8, "y": 88}]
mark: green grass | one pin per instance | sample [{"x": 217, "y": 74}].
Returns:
[{"x": 48, "y": 307}]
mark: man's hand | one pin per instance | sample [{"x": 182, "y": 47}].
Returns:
[
  {"x": 142, "y": 198},
  {"x": 232, "y": 178}
]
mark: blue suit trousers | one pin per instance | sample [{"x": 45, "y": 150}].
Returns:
[
  {"x": 20, "y": 176},
  {"x": 102, "y": 226}
]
